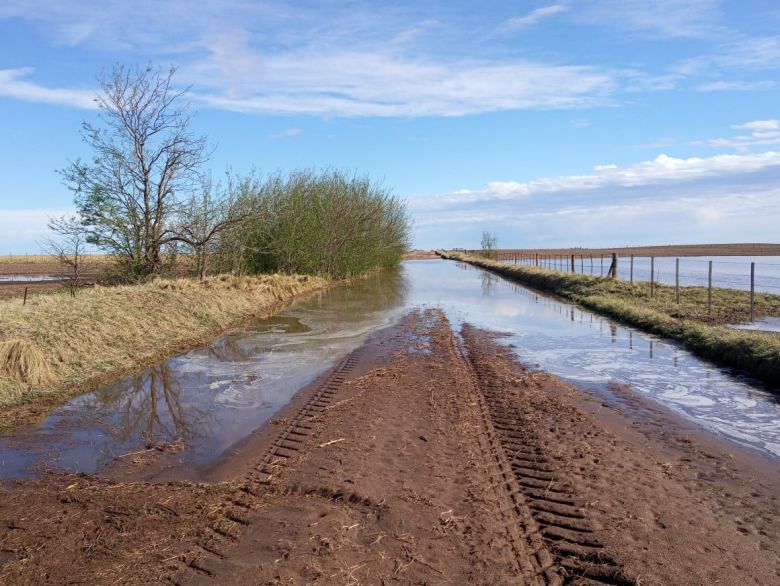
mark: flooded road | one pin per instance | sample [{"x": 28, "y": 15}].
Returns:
[{"x": 209, "y": 399}]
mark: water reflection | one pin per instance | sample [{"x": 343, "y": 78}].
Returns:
[
  {"x": 594, "y": 352},
  {"x": 215, "y": 396},
  {"x": 149, "y": 406}
]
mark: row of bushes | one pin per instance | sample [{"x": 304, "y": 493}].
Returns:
[
  {"x": 752, "y": 351},
  {"x": 326, "y": 223}
]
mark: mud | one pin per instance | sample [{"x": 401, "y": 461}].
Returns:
[{"x": 422, "y": 458}]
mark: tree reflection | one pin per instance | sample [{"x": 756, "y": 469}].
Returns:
[{"x": 149, "y": 405}]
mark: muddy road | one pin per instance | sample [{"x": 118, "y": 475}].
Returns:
[{"x": 423, "y": 457}]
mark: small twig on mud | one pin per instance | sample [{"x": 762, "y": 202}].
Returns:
[
  {"x": 134, "y": 453},
  {"x": 335, "y": 441}
]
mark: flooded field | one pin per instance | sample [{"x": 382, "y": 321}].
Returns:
[
  {"x": 731, "y": 272},
  {"x": 206, "y": 400}
]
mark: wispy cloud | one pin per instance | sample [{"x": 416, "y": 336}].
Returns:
[
  {"x": 14, "y": 85},
  {"x": 657, "y": 19},
  {"x": 286, "y": 133},
  {"x": 533, "y": 17},
  {"x": 737, "y": 86},
  {"x": 762, "y": 133}
]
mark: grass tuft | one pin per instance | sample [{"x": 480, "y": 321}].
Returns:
[{"x": 24, "y": 361}]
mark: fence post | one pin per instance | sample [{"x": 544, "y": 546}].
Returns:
[
  {"x": 652, "y": 276},
  {"x": 709, "y": 289},
  {"x": 677, "y": 280},
  {"x": 573, "y": 268},
  {"x": 631, "y": 271},
  {"x": 601, "y": 258},
  {"x": 752, "y": 291},
  {"x": 24, "y": 302}
]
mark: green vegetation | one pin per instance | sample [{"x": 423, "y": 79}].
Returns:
[
  {"x": 144, "y": 196},
  {"x": 326, "y": 223},
  {"x": 55, "y": 345},
  {"x": 687, "y": 322}
]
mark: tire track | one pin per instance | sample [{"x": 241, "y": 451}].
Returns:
[
  {"x": 203, "y": 561},
  {"x": 553, "y": 518}
]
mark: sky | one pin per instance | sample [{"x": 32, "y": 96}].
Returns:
[{"x": 552, "y": 123}]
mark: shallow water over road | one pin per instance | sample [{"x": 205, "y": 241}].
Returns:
[{"x": 209, "y": 399}]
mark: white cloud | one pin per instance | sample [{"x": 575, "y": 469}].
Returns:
[
  {"x": 661, "y": 170},
  {"x": 13, "y": 85},
  {"x": 386, "y": 84},
  {"x": 763, "y": 133},
  {"x": 737, "y": 86},
  {"x": 664, "y": 200},
  {"x": 533, "y": 17},
  {"x": 657, "y": 19},
  {"x": 287, "y": 133},
  {"x": 759, "y": 125}
]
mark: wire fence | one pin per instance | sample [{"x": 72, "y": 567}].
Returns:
[{"x": 753, "y": 274}]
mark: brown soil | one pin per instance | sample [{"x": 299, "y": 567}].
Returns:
[{"x": 417, "y": 461}]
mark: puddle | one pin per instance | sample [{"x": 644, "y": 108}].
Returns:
[
  {"x": 767, "y": 324},
  {"x": 215, "y": 396},
  {"x": 30, "y": 278}
]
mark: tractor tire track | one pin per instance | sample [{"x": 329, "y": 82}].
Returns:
[{"x": 552, "y": 516}]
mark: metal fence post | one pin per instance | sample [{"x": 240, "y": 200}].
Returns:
[
  {"x": 677, "y": 280},
  {"x": 709, "y": 289},
  {"x": 652, "y": 276},
  {"x": 631, "y": 270},
  {"x": 752, "y": 291}
]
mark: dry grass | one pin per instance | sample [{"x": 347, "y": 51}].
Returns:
[{"x": 55, "y": 342}]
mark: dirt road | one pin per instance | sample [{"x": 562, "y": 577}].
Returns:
[{"x": 422, "y": 460}]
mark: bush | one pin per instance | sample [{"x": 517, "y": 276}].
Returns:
[{"x": 326, "y": 223}]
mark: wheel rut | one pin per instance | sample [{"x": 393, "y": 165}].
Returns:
[
  {"x": 204, "y": 560},
  {"x": 552, "y": 516}
]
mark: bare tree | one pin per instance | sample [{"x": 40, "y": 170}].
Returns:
[
  {"x": 68, "y": 247},
  {"x": 146, "y": 164},
  {"x": 206, "y": 215},
  {"x": 489, "y": 243}
]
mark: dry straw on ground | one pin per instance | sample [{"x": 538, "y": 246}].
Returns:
[{"x": 56, "y": 342}]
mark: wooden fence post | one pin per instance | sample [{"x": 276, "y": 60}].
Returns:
[
  {"x": 24, "y": 302},
  {"x": 631, "y": 270},
  {"x": 709, "y": 289},
  {"x": 652, "y": 276},
  {"x": 573, "y": 268},
  {"x": 752, "y": 291},
  {"x": 677, "y": 280}
]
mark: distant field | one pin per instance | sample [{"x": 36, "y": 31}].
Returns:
[
  {"x": 743, "y": 249},
  {"x": 36, "y": 259}
]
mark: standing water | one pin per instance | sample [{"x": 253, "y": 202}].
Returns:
[{"x": 215, "y": 396}]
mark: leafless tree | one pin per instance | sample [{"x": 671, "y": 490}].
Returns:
[
  {"x": 68, "y": 247},
  {"x": 146, "y": 164},
  {"x": 204, "y": 218},
  {"x": 489, "y": 243}
]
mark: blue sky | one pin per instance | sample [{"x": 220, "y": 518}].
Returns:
[{"x": 581, "y": 122}]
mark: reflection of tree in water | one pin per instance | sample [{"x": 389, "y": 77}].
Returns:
[
  {"x": 150, "y": 405},
  {"x": 489, "y": 282},
  {"x": 384, "y": 290}
]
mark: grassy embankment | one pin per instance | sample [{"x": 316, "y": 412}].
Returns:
[
  {"x": 56, "y": 346},
  {"x": 687, "y": 322}
]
